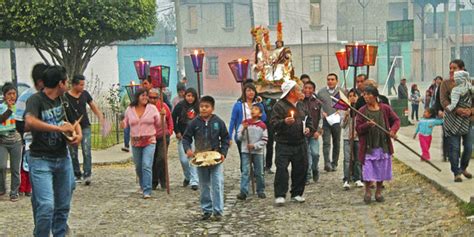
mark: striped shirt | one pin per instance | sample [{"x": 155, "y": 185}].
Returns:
[
  {"x": 21, "y": 103},
  {"x": 257, "y": 134}
]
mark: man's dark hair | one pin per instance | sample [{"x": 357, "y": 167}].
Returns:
[
  {"x": 305, "y": 76},
  {"x": 259, "y": 107},
  {"x": 136, "y": 96},
  {"x": 8, "y": 87},
  {"x": 371, "y": 90},
  {"x": 53, "y": 75},
  {"x": 38, "y": 72},
  {"x": 438, "y": 77},
  {"x": 311, "y": 83},
  {"x": 76, "y": 79},
  {"x": 333, "y": 74},
  {"x": 363, "y": 75},
  {"x": 180, "y": 87},
  {"x": 207, "y": 99},
  {"x": 458, "y": 62}
]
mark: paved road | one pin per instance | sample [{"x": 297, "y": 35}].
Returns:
[{"x": 111, "y": 206}]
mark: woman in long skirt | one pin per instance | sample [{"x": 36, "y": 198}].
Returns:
[{"x": 375, "y": 146}]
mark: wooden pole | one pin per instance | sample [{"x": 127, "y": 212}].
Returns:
[
  {"x": 387, "y": 132},
  {"x": 352, "y": 131},
  {"x": 165, "y": 147},
  {"x": 199, "y": 85}
]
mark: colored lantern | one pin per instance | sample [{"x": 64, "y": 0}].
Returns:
[
  {"x": 239, "y": 69},
  {"x": 342, "y": 59},
  {"x": 131, "y": 89},
  {"x": 355, "y": 54},
  {"x": 370, "y": 55},
  {"x": 160, "y": 76},
  {"x": 143, "y": 68},
  {"x": 197, "y": 57}
]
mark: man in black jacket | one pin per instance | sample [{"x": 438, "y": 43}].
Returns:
[{"x": 292, "y": 124}]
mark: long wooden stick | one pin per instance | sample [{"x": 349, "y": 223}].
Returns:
[
  {"x": 387, "y": 132},
  {"x": 165, "y": 147}
]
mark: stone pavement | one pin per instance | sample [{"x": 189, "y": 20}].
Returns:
[
  {"x": 111, "y": 206},
  {"x": 444, "y": 179}
]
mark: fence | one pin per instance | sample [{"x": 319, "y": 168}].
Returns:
[{"x": 116, "y": 132}]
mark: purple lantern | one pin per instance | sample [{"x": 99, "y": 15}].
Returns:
[
  {"x": 143, "y": 68},
  {"x": 239, "y": 68},
  {"x": 355, "y": 54},
  {"x": 197, "y": 57}
]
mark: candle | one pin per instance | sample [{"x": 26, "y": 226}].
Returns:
[
  {"x": 240, "y": 67},
  {"x": 355, "y": 55},
  {"x": 367, "y": 53},
  {"x": 132, "y": 83},
  {"x": 196, "y": 52},
  {"x": 292, "y": 113}
]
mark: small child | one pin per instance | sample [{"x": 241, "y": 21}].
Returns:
[
  {"x": 425, "y": 129},
  {"x": 252, "y": 151},
  {"x": 210, "y": 134},
  {"x": 463, "y": 86},
  {"x": 356, "y": 169}
]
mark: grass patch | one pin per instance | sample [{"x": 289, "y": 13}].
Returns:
[
  {"x": 467, "y": 208},
  {"x": 100, "y": 142}
]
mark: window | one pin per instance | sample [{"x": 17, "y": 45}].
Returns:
[
  {"x": 192, "y": 18},
  {"x": 229, "y": 15},
  {"x": 213, "y": 69},
  {"x": 315, "y": 12},
  {"x": 315, "y": 65},
  {"x": 273, "y": 12}
]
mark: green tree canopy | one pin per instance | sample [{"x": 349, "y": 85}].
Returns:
[{"x": 72, "y": 31}]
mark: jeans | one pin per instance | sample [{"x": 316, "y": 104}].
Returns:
[
  {"x": 86, "y": 155},
  {"x": 126, "y": 137},
  {"x": 257, "y": 162},
  {"x": 159, "y": 176},
  {"x": 52, "y": 191},
  {"x": 14, "y": 152},
  {"x": 356, "y": 168},
  {"x": 333, "y": 132},
  {"x": 414, "y": 111},
  {"x": 296, "y": 154},
  {"x": 455, "y": 152},
  {"x": 211, "y": 183},
  {"x": 313, "y": 158},
  {"x": 189, "y": 171},
  {"x": 143, "y": 159}
]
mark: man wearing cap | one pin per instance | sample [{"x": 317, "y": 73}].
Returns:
[{"x": 292, "y": 124}]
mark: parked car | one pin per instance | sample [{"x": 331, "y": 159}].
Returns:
[{"x": 21, "y": 88}]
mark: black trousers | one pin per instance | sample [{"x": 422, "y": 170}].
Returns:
[
  {"x": 297, "y": 155},
  {"x": 158, "y": 170},
  {"x": 269, "y": 150}
]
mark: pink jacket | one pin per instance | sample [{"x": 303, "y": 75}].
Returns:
[{"x": 148, "y": 125}]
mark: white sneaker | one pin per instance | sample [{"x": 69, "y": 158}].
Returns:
[
  {"x": 346, "y": 185},
  {"x": 279, "y": 201},
  {"x": 359, "y": 184},
  {"x": 299, "y": 199}
]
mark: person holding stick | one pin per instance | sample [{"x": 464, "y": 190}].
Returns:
[{"x": 375, "y": 145}]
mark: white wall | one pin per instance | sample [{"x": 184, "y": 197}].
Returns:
[{"x": 104, "y": 64}]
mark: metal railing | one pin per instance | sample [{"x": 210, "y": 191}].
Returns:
[{"x": 114, "y": 137}]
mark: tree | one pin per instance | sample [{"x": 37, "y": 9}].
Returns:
[{"x": 72, "y": 31}]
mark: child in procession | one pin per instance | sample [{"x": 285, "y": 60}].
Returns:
[
  {"x": 209, "y": 134},
  {"x": 424, "y": 129},
  {"x": 254, "y": 136}
]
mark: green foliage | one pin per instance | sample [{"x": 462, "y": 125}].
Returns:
[
  {"x": 72, "y": 31},
  {"x": 113, "y": 99}
]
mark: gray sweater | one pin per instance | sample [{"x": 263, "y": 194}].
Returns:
[
  {"x": 258, "y": 136},
  {"x": 325, "y": 97}
]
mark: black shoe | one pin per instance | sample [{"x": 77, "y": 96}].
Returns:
[
  {"x": 327, "y": 169},
  {"x": 28, "y": 194},
  {"x": 154, "y": 186},
  {"x": 217, "y": 217},
  {"x": 194, "y": 187},
  {"x": 88, "y": 180},
  {"x": 315, "y": 176},
  {"x": 262, "y": 195},
  {"x": 185, "y": 183},
  {"x": 125, "y": 149},
  {"x": 206, "y": 216},
  {"x": 241, "y": 196}
]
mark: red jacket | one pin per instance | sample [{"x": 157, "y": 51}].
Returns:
[
  {"x": 392, "y": 123},
  {"x": 168, "y": 120}
]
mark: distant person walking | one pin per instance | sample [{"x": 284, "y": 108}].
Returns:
[
  {"x": 403, "y": 90},
  {"x": 415, "y": 99}
]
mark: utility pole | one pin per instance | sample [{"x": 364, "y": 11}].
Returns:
[
  {"x": 327, "y": 39},
  {"x": 13, "y": 63},
  {"x": 301, "y": 47},
  {"x": 179, "y": 37},
  {"x": 458, "y": 28},
  {"x": 363, "y": 4},
  {"x": 422, "y": 4}
]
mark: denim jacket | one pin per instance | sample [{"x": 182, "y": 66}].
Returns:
[{"x": 209, "y": 135}]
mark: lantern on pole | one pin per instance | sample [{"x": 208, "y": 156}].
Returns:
[
  {"x": 355, "y": 54},
  {"x": 370, "y": 57},
  {"x": 143, "y": 68},
  {"x": 160, "y": 79},
  {"x": 131, "y": 89},
  {"x": 198, "y": 58},
  {"x": 342, "y": 61}
]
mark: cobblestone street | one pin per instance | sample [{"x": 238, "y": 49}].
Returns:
[{"x": 111, "y": 206}]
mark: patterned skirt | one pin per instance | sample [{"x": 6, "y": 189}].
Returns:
[{"x": 377, "y": 166}]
